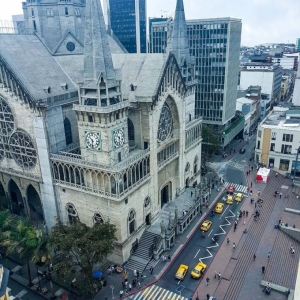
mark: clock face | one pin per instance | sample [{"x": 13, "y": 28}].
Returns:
[
  {"x": 118, "y": 137},
  {"x": 92, "y": 140}
]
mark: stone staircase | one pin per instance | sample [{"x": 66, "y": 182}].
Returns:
[
  {"x": 243, "y": 256},
  {"x": 140, "y": 257}
]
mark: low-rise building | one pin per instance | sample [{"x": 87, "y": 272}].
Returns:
[{"x": 278, "y": 139}]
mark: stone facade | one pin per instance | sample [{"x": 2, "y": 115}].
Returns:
[{"x": 98, "y": 137}]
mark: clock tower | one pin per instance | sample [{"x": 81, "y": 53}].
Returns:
[{"x": 101, "y": 112}]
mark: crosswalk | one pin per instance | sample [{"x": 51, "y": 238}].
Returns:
[
  {"x": 22, "y": 293},
  {"x": 157, "y": 293},
  {"x": 238, "y": 187}
]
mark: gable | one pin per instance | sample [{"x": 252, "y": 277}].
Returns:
[{"x": 69, "y": 45}]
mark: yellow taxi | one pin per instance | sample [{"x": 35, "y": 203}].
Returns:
[
  {"x": 229, "y": 199},
  {"x": 206, "y": 225},
  {"x": 198, "y": 270},
  {"x": 219, "y": 208},
  {"x": 239, "y": 197},
  {"x": 181, "y": 272}
]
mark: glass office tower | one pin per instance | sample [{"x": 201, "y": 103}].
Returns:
[
  {"x": 215, "y": 44},
  {"x": 128, "y": 22}
]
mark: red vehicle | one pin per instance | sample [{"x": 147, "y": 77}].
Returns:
[{"x": 230, "y": 190}]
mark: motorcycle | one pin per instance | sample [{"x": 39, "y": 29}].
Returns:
[{"x": 215, "y": 238}]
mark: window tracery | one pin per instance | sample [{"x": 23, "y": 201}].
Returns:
[
  {"x": 72, "y": 213},
  {"x": 98, "y": 218}
]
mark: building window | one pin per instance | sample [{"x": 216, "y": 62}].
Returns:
[
  {"x": 66, "y": 11},
  {"x": 68, "y": 131},
  {"x": 130, "y": 132},
  {"x": 32, "y": 12},
  {"x": 287, "y": 137},
  {"x": 273, "y": 136},
  {"x": 286, "y": 149},
  {"x": 272, "y": 148},
  {"x": 187, "y": 167},
  {"x": 34, "y": 25},
  {"x": 119, "y": 157},
  {"x": 77, "y": 12},
  {"x": 259, "y": 133},
  {"x": 126, "y": 201},
  {"x": 284, "y": 164},
  {"x": 72, "y": 213},
  {"x": 258, "y": 144},
  {"x": 131, "y": 221},
  {"x": 91, "y": 119},
  {"x": 195, "y": 164},
  {"x": 49, "y": 12},
  {"x": 98, "y": 218},
  {"x": 147, "y": 202}
]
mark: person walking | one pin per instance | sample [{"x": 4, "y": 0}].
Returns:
[
  {"x": 247, "y": 213},
  {"x": 151, "y": 270},
  {"x": 121, "y": 294},
  {"x": 129, "y": 287},
  {"x": 263, "y": 268},
  {"x": 207, "y": 296},
  {"x": 134, "y": 273},
  {"x": 219, "y": 276},
  {"x": 254, "y": 256},
  {"x": 280, "y": 195},
  {"x": 234, "y": 228},
  {"x": 276, "y": 174},
  {"x": 233, "y": 246},
  {"x": 207, "y": 281},
  {"x": 269, "y": 254},
  {"x": 228, "y": 241},
  {"x": 244, "y": 221},
  {"x": 251, "y": 184},
  {"x": 258, "y": 193}
]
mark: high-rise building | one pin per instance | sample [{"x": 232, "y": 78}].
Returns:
[
  {"x": 298, "y": 44},
  {"x": 127, "y": 19},
  {"x": 215, "y": 44}
]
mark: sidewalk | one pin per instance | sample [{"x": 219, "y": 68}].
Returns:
[{"x": 240, "y": 274}]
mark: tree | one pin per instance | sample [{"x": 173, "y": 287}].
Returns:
[
  {"x": 78, "y": 248},
  {"x": 211, "y": 143},
  {"x": 25, "y": 239}
]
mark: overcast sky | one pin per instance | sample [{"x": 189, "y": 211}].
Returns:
[{"x": 264, "y": 21}]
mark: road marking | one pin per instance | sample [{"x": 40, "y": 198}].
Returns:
[
  {"x": 216, "y": 245},
  {"x": 197, "y": 253},
  {"x": 200, "y": 259},
  {"x": 228, "y": 224},
  {"x": 224, "y": 211},
  {"x": 210, "y": 232}
]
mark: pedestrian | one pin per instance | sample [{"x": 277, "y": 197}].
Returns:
[
  {"x": 251, "y": 170},
  {"x": 251, "y": 184},
  {"x": 142, "y": 278},
  {"x": 269, "y": 254},
  {"x": 206, "y": 204},
  {"x": 219, "y": 276},
  {"x": 279, "y": 222},
  {"x": 250, "y": 192},
  {"x": 207, "y": 296},
  {"x": 234, "y": 228},
  {"x": 134, "y": 273},
  {"x": 130, "y": 287},
  {"x": 139, "y": 284},
  {"x": 123, "y": 284},
  {"x": 200, "y": 212},
  {"x": 280, "y": 195},
  {"x": 263, "y": 269},
  {"x": 276, "y": 174},
  {"x": 228, "y": 241},
  {"x": 247, "y": 213},
  {"x": 233, "y": 246},
  {"x": 207, "y": 281},
  {"x": 255, "y": 205},
  {"x": 137, "y": 274},
  {"x": 251, "y": 200},
  {"x": 254, "y": 256},
  {"x": 151, "y": 270},
  {"x": 169, "y": 257},
  {"x": 244, "y": 221},
  {"x": 258, "y": 193}
]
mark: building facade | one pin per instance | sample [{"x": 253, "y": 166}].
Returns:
[
  {"x": 215, "y": 44},
  {"x": 266, "y": 75},
  {"x": 278, "y": 138},
  {"x": 127, "y": 19},
  {"x": 98, "y": 136}
]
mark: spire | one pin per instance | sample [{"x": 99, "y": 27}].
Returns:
[
  {"x": 179, "y": 43},
  {"x": 97, "y": 55}
]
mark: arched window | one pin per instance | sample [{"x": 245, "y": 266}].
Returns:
[
  {"x": 98, "y": 218},
  {"x": 195, "y": 164},
  {"x": 147, "y": 201},
  {"x": 130, "y": 132},
  {"x": 131, "y": 221},
  {"x": 68, "y": 131},
  {"x": 72, "y": 213},
  {"x": 187, "y": 167}
]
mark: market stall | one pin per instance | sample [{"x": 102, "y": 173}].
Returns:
[{"x": 263, "y": 175}]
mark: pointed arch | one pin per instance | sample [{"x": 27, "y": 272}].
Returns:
[{"x": 68, "y": 131}]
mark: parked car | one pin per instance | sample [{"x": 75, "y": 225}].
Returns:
[
  {"x": 242, "y": 151},
  {"x": 181, "y": 272},
  {"x": 219, "y": 208},
  {"x": 239, "y": 197},
  {"x": 198, "y": 270},
  {"x": 206, "y": 225}
]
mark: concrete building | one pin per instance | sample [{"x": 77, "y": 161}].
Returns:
[
  {"x": 266, "y": 75},
  {"x": 91, "y": 132},
  {"x": 278, "y": 138},
  {"x": 215, "y": 44},
  {"x": 286, "y": 63},
  {"x": 286, "y": 85},
  {"x": 127, "y": 19}
]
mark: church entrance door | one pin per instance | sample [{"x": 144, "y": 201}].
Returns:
[
  {"x": 148, "y": 219},
  {"x": 165, "y": 194}
]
